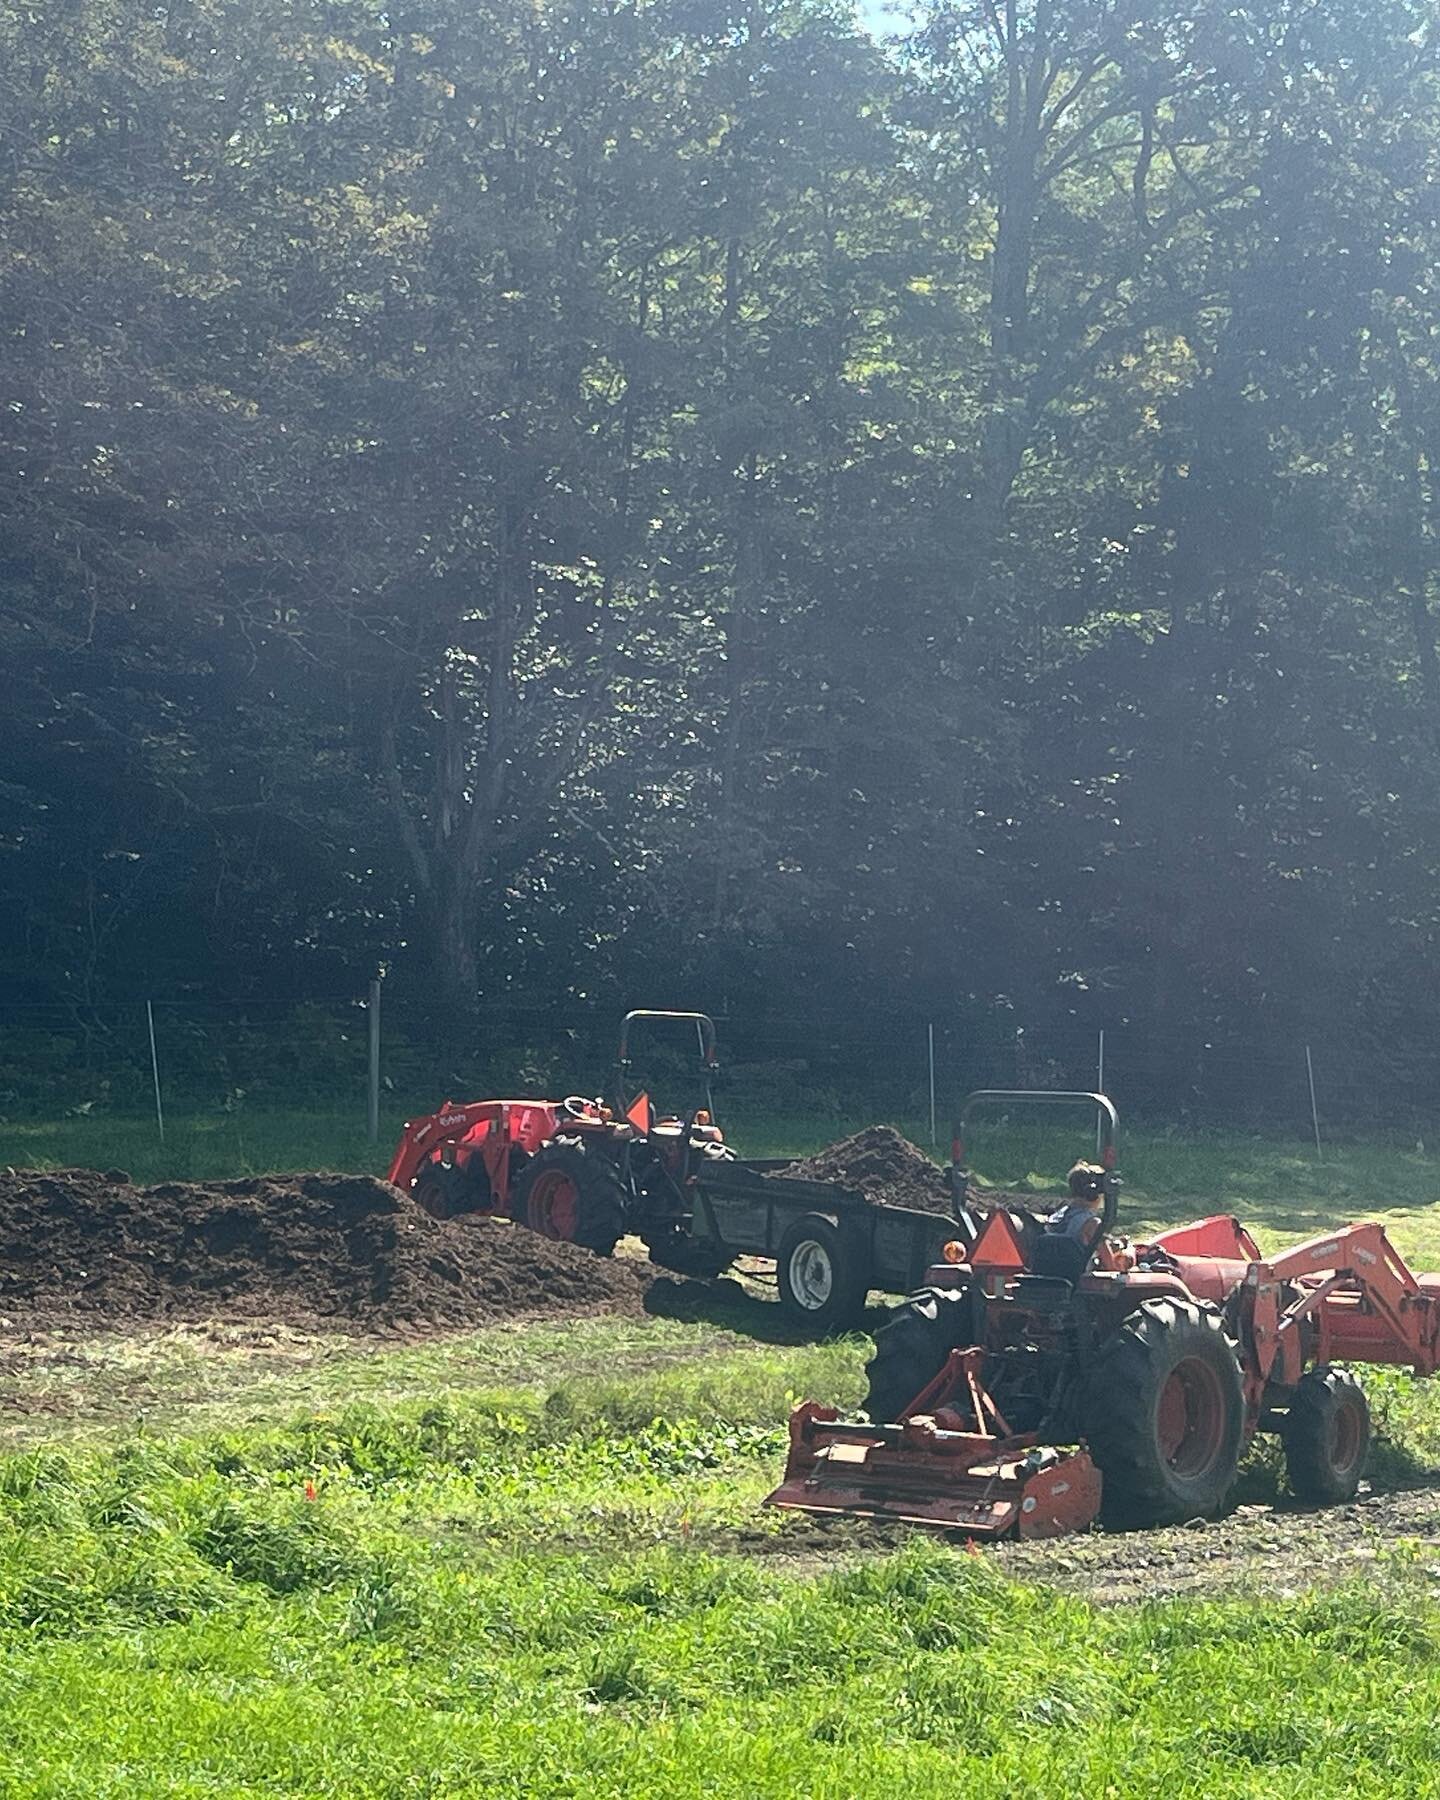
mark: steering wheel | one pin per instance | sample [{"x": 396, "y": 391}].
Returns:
[{"x": 578, "y": 1107}]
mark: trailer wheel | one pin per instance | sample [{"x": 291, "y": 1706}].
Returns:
[
  {"x": 568, "y": 1194},
  {"x": 910, "y": 1351},
  {"x": 1164, "y": 1411},
  {"x": 1327, "y": 1436},
  {"x": 822, "y": 1278}
]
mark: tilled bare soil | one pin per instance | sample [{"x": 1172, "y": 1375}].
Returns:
[
  {"x": 1256, "y": 1549},
  {"x": 1276, "y": 1550},
  {"x": 882, "y": 1165},
  {"x": 323, "y": 1250}
]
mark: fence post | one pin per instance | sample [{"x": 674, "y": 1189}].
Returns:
[
  {"x": 1314, "y": 1110},
  {"x": 155, "y": 1069},
  {"x": 930, "y": 1040},
  {"x": 374, "y": 1085},
  {"x": 1099, "y": 1084}
]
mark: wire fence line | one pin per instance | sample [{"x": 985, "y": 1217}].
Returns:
[{"x": 208, "y": 1057}]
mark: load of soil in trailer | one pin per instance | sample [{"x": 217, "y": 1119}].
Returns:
[
  {"x": 883, "y": 1166},
  {"x": 334, "y": 1251}
]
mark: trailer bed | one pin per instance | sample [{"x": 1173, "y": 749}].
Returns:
[{"x": 749, "y": 1209}]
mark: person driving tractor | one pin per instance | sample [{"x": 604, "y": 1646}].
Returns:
[{"x": 1082, "y": 1214}]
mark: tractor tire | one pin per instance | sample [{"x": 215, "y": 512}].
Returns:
[
  {"x": 445, "y": 1193},
  {"x": 910, "y": 1351},
  {"x": 569, "y": 1194},
  {"x": 1164, "y": 1410},
  {"x": 698, "y": 1258},
  {"x": 823, "y": 1279},
  {"x": 1327, "y": 1437}
]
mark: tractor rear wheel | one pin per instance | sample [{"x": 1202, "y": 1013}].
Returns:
[
  {"x": 1327, "y": 1437},
  {"x": 910, "y": 1351},
  {"x": 1164, "y": 1414},
  {"x": 569, "y": 1194}
]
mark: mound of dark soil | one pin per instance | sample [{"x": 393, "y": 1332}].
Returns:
[
  {"x": 333, "y": 1250},
  {"x": 883, "y": 1166}
]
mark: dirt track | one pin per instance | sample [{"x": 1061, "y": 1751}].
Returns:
[{"x": 1256, "y": 1550}]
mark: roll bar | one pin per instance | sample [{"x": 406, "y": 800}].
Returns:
[
  {"x": 704, "y": 1035},
  {"x": 1108, "y": 1117},
  {"x": 704, "y": 1032}
]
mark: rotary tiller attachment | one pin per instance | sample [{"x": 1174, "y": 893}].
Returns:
[{"x": 939, "y": 1468}]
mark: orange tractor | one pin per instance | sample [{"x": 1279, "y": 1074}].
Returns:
[
  {"x": 1046, "y": 1375},
  {"x": 580, "y": 1169}
]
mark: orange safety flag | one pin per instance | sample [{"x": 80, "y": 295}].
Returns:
[{"x": 997, "y": 1246}]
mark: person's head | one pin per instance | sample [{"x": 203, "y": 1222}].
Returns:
[{"x": 1087, "y": 1184}]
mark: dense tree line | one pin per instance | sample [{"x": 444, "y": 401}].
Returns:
[{"x": 673, "y": 499}]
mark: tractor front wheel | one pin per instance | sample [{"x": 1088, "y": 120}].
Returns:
[
  {"x": 1327, "y": 1437},
  {"x": 446, "y": 1191},
  {"x": 569, "y": 1194},
  {"x": 1164, "y": 1415}
]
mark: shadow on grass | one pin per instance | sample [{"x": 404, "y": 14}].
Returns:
[
  {"x": 1391, "y": 1468},
  {"x": 727, "y": 1304}
]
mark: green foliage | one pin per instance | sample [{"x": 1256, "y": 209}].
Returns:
[{"x": 738, "y": 513}]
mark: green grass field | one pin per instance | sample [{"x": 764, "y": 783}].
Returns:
[
  {"x": 532, "y": 1561},
  {"x": 497, "y": 1582}
]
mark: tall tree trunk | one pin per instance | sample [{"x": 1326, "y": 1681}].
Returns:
[
  {"x": 455, "y": 965},
  {"x": 1004, "y": 427}
]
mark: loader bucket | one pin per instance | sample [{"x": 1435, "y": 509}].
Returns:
[{"x": 924, "y": 1472}]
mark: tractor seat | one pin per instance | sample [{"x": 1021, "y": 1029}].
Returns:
[
  {"x": 1042, "y": 1293},
  {"x": 1057, "y": 1258}
]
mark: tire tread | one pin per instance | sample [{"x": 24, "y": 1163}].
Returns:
[
  {"x": 1138, "y": 1489},
  {"x": 1313, "y": 1478},
  {"x": 910, "y": 1350}
]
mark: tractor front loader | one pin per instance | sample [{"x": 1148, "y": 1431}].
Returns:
[{"x": 1039, "y": 1380}]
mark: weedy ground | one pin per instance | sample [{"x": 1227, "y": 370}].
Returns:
[{"x": 532, "y": 1561}]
